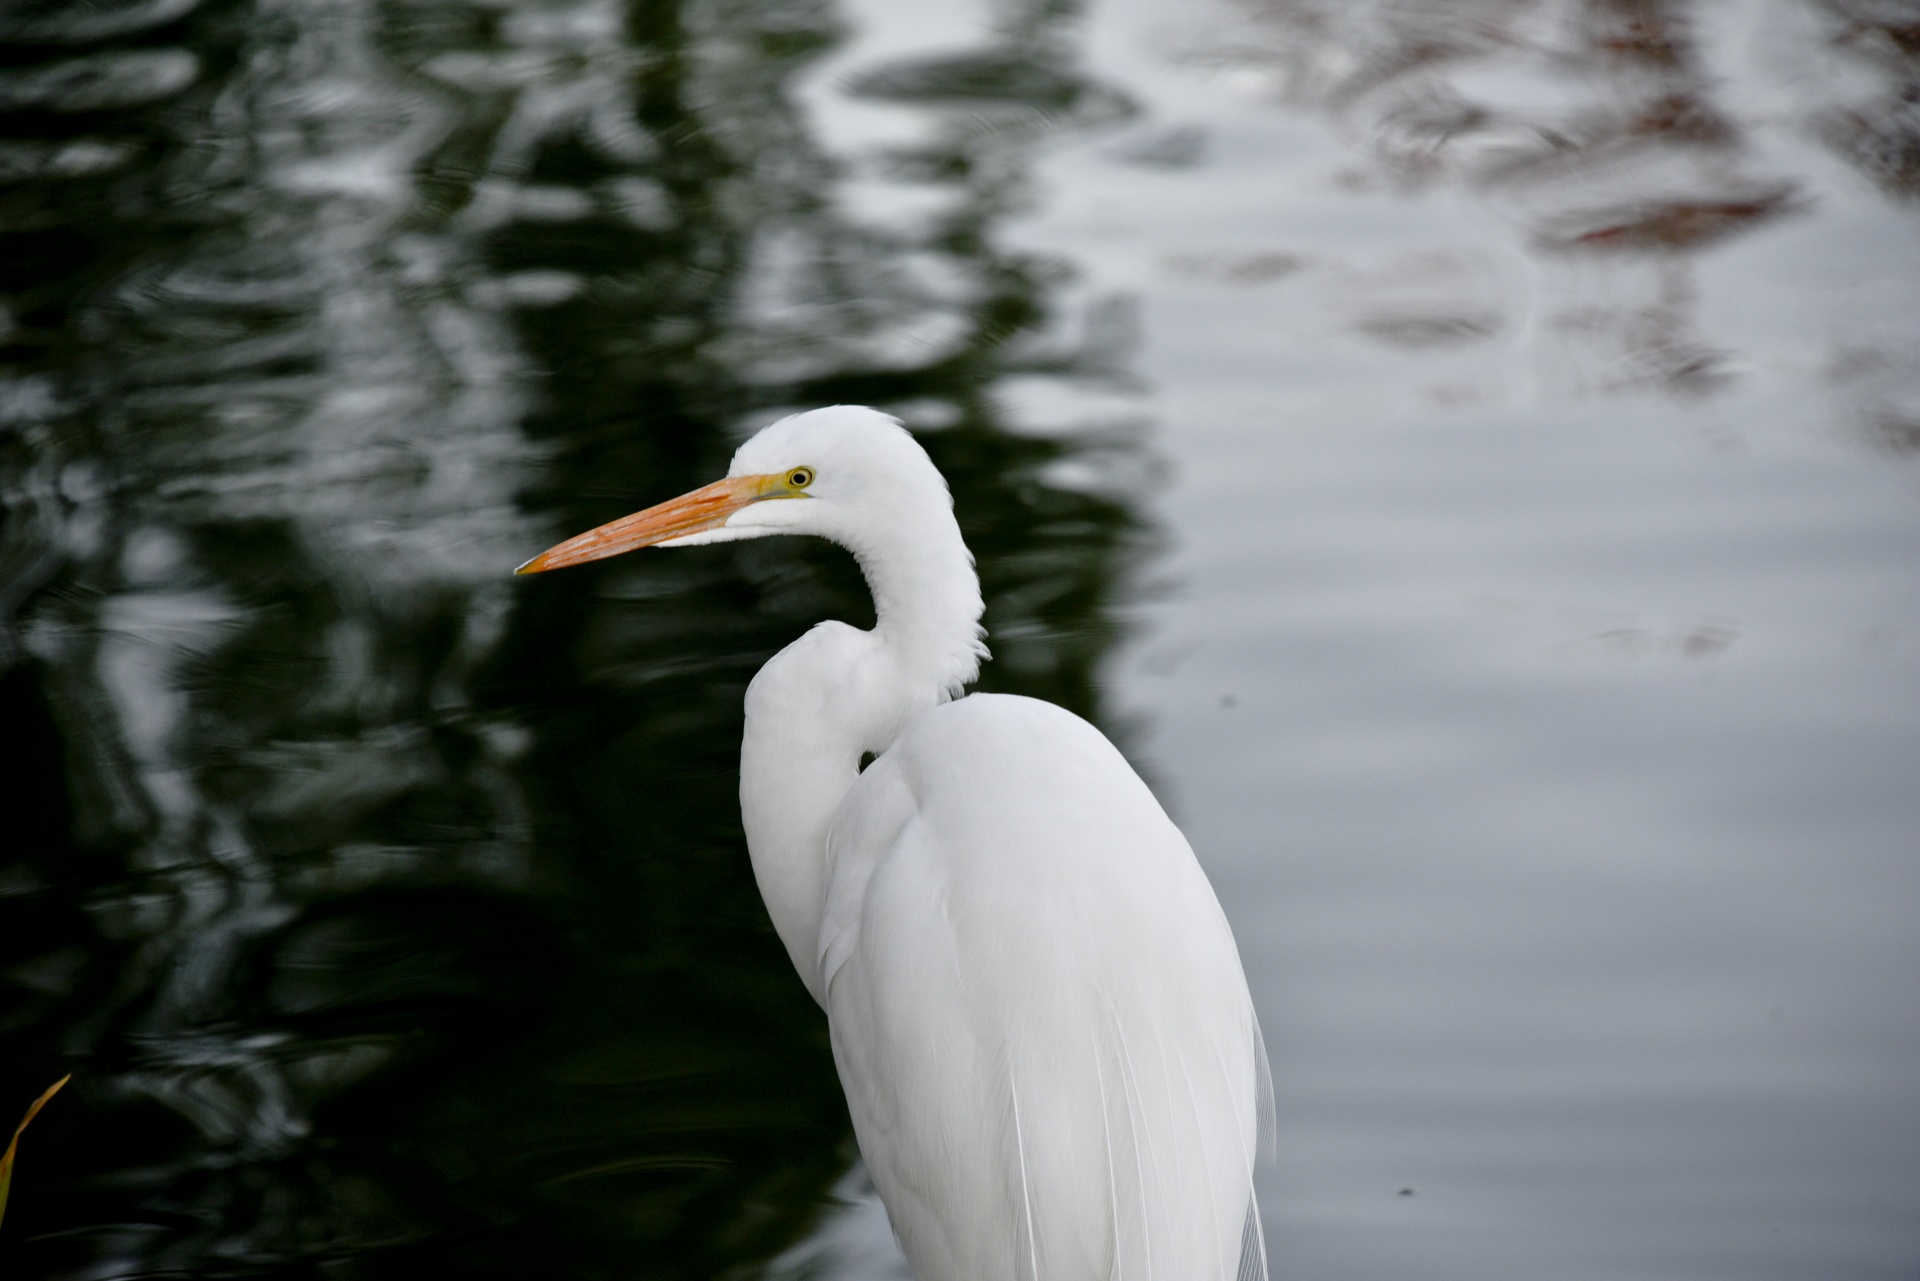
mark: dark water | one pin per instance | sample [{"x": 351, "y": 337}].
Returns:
[{"x": 393, "y": 915}]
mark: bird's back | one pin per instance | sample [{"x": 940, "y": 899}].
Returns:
[{"x": 1037, "y": 1009}]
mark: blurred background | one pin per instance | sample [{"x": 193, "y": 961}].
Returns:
[{"x": 1467, "y": 452}]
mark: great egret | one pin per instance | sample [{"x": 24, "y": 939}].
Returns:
[{"x": 1036, "y": 1007}]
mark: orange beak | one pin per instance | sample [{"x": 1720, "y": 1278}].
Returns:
[{"x": 705, "y": 508}]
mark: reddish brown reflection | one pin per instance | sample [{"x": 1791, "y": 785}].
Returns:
[
  {"x": 1881, "y": 136},
  {"x": 1673, "y": 225}
]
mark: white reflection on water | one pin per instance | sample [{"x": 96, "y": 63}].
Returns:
[
  {"x": 303, "y": 377},
  {"x": 1540, "y": 686}
]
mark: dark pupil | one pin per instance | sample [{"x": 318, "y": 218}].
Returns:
[{"x": 799, "y": 478}]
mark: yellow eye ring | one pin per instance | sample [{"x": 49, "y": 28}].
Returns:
[{"x": 800, "y": 477}]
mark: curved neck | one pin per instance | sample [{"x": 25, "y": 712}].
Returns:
[
  {"x": 926, "y": 602},
  {"x": 837, "y": 693}
]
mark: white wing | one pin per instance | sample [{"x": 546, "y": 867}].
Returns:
[{"x": 1037, "y": 1009}]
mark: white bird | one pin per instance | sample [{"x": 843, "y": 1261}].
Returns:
[{"x": 1036, "y": 1006}]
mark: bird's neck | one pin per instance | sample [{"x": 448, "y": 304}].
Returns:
[
  {"x": 927, "y": 606},
  {"x": 836, "y": 694}
]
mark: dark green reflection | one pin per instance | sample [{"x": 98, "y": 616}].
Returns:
[{"x": 392, "y": 914}]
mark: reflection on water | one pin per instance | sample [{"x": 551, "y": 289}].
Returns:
[
  {"x": 1598, "y": 132},
  {"x": 393, "y": 915},
  {"x": 1594, "y": 124}
]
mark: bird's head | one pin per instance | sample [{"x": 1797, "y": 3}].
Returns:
[{"x": 846, "y": 473}]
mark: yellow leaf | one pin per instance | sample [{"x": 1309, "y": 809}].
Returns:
[{"x": 6, "y": 1162}]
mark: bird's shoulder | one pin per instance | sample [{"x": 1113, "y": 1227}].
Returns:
[
  {"x": 998, "y": 772},
  {"x": 1008, "y": 801},
  {"x": 984, "y": 744},
  {"x": 1003, "y": 772}
]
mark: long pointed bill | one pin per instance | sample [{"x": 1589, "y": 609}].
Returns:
[{"x": 705, "y": 508}]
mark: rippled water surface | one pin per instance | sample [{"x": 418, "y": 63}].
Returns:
[{"x": 1469, "y": 453}]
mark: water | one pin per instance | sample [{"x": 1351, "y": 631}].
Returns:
[{"x": 1466, "y": 453}]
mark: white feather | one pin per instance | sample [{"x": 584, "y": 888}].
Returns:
[{"x": 1014, "y": 928}]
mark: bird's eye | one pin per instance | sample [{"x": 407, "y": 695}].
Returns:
[{"x": 800, "y": 477}]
